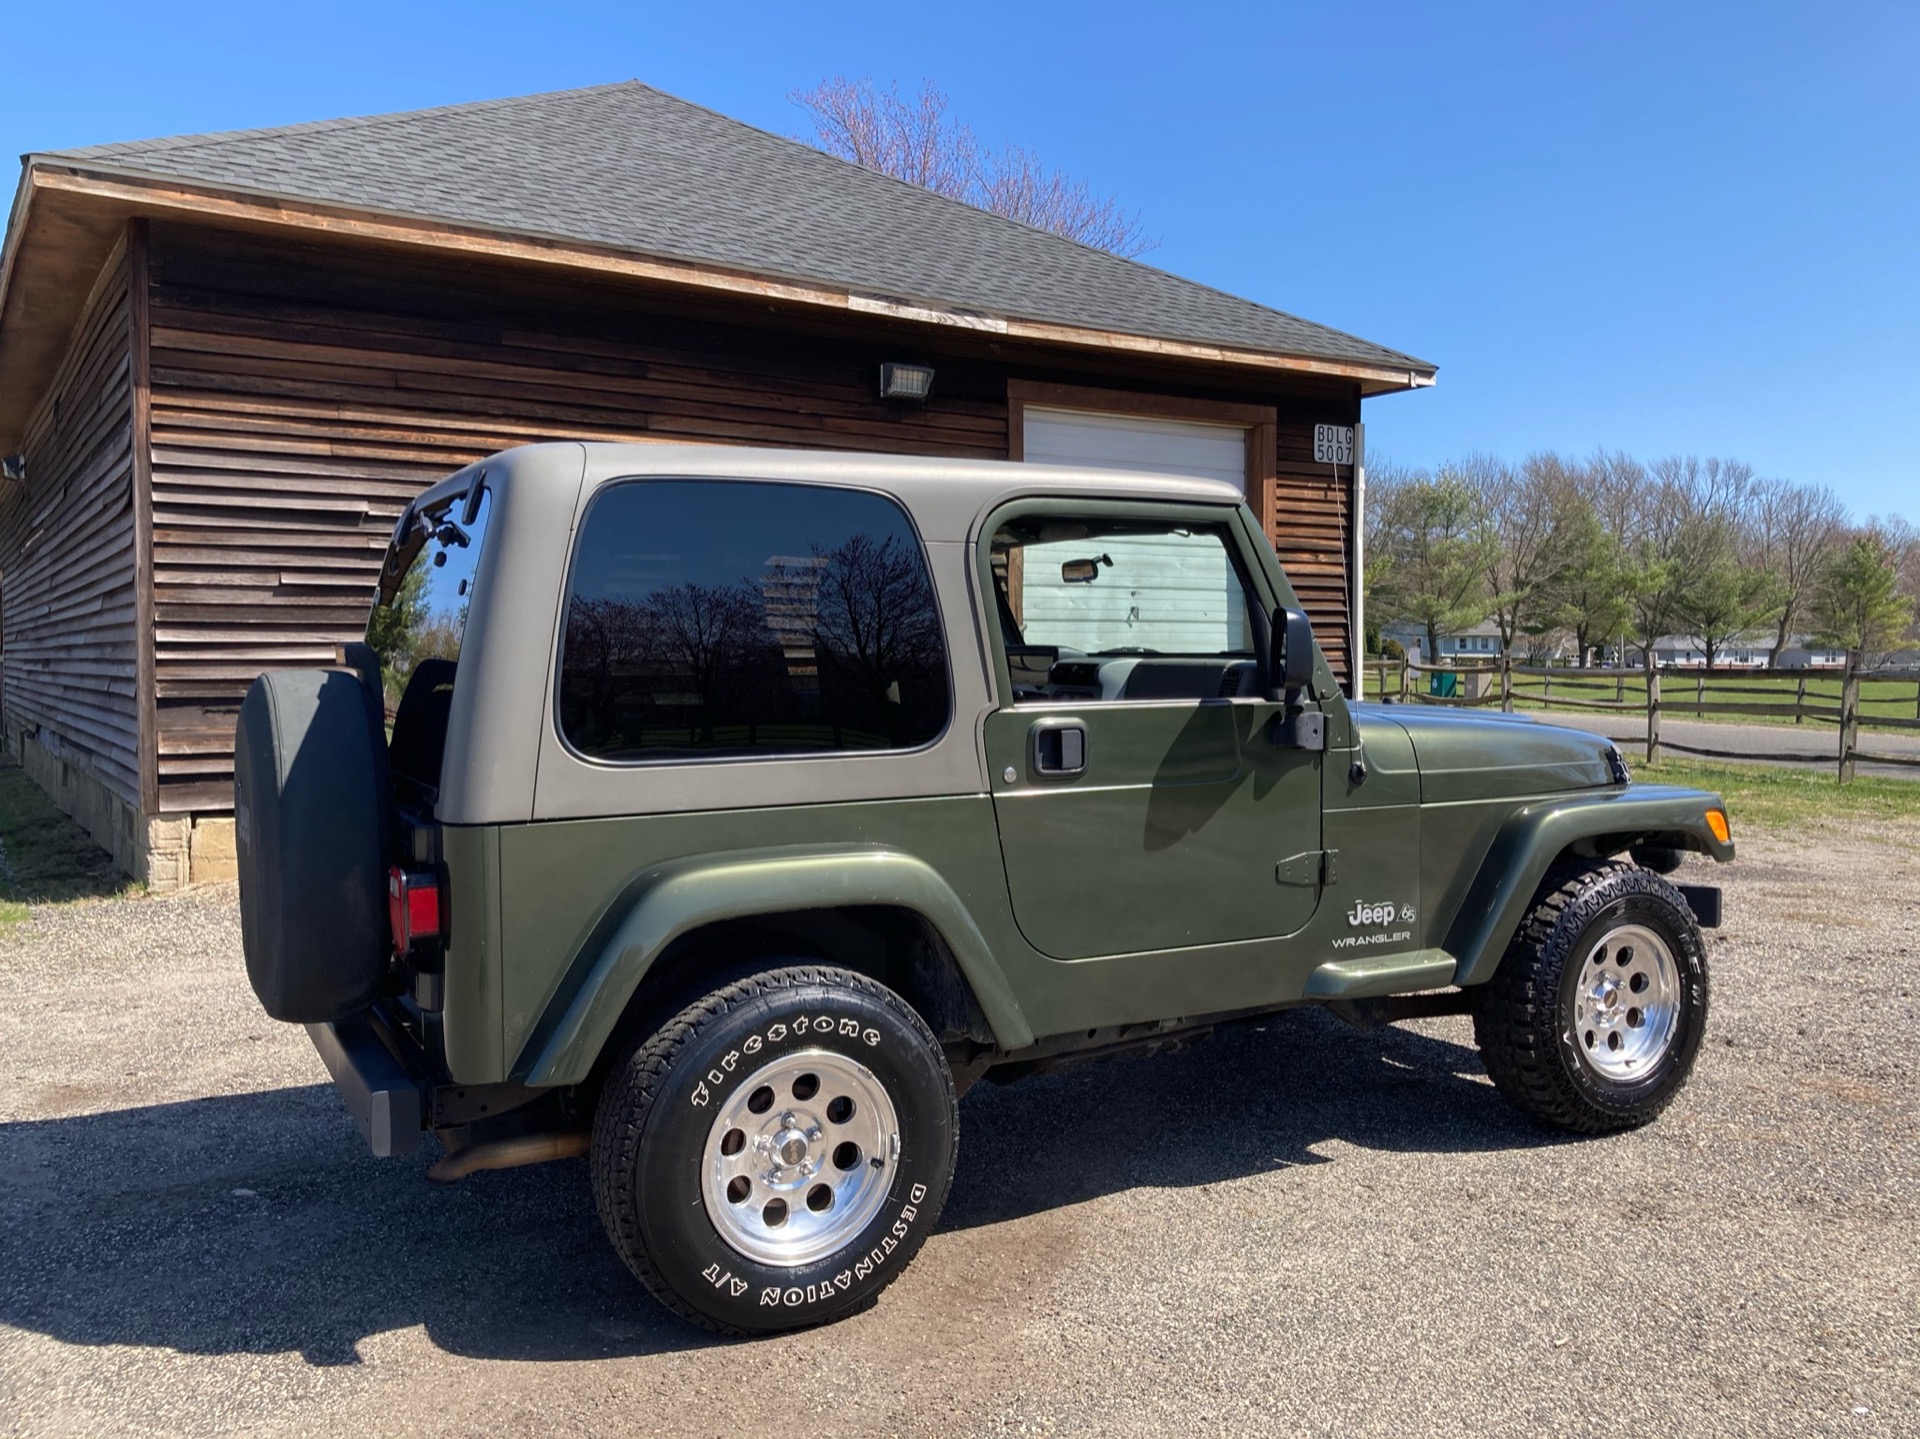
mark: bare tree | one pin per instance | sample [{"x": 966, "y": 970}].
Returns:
[
  {"x": 1016, "y": 184},
  {"x": 914, "y": 139},
  {"x": 1385, "y": 478},
  {"x": 1722, "y": 589},
  {"x": 1902, "y": 538},
  {"x": 1531, "y": 508},
  {"x": 909, "y": 139},
  {"x": 1652, "y": 507},
  {"x": 1796, "y": 528}
]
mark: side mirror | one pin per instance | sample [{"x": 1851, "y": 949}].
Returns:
[
  {"x": 1292, "y": 660},
  {"x": 1291, "y": 666}
]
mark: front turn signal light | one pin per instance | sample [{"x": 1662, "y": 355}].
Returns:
[{"x": 1717, "y": 822}]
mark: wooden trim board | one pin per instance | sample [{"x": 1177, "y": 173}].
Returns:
[{"x": 140, "y": 311}]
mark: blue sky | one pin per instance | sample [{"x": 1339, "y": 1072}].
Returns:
[{"x": 1658, "y": 228}]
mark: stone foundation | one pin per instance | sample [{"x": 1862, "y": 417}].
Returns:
[
  {"x": 165, "y": 852},
  {"x": 210, "y": 851}
]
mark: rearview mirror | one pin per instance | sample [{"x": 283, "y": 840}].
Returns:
[
  {"x": 1084, "y": 572},
  {"x": 1292, "y": 658}
]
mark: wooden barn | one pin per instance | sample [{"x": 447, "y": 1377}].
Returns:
[{"x": 227, "y": 361}]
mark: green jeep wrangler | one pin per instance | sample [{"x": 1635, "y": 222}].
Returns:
[{"x": 740, "y": 809}]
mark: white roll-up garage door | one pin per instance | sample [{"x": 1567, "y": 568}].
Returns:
[
  {"x": 1126, "y": 442},
  {"x": 1090, "y": 617}
]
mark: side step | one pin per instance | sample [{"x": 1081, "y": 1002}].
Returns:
[{"x": 1381, "y": 974}]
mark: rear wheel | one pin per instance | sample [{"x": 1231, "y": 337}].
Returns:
[
  {"x": 1592, "y": 1021},
  {"x": 775, "y": 1154}
]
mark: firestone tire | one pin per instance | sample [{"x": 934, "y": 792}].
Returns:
[
  {"x": 1593, "y": 1020},
  {"x": 773, "y": 1156}
]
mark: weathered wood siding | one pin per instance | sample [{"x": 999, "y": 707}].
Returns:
[
  {"x": 67, "y": 571},
  {"x": 299, "y": 402},
  {"x": 301, "y": 395},
  {"x": 1311, "y": 531}
]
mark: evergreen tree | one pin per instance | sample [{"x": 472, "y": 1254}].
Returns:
[
  {"x": 1438, "y": 544},
  {"x": 1859, "y": 607}
]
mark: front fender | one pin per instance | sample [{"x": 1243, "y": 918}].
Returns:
[
  {"x": 1539, "y": 833},
  {"x": 673, "y": 899}
]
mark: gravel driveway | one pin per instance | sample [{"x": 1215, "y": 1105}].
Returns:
[
  {"x": 1752, "y": 743},
  {"x": 1297, "y": 1229}
]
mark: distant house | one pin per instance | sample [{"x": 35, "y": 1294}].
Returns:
[
  {"x": 1750, "y": 651},
  {"x": 1804, "y": 653},
  {"x": 227, "y": 362},
  {"x": 1476, "y": 642}
]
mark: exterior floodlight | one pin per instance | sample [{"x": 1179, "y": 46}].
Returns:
[{"x": 905, "y": 382}]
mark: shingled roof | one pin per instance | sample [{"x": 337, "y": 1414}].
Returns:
[{"x": 633, "y": 169}]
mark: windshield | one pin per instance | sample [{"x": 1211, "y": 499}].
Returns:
[{"x": 426, "y": 585}]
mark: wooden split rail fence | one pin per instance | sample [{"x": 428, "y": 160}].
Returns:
[{"x": 1694, "y": 694}]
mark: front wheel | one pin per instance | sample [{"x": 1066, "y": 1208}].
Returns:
[
  {"x": 773, "y": 1156},
  {"x": 1592, "y": 1021}
]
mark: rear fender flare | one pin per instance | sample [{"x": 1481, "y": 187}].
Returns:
[
  {"x": 1538, "y": 834},
  {"x": 671, "y": 900}
]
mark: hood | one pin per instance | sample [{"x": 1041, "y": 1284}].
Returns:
[{"x": 1473, "y": 756}]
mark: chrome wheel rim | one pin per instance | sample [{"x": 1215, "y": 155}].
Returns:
[
  {"x": 1626, "y": 1004},
  {"x": 798, "y": 1161}
]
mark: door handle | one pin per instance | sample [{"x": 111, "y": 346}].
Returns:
[{"x": 1058, "y": 748}]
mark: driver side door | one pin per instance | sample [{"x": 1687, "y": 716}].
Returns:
[{"x": 1142, "y": 801}]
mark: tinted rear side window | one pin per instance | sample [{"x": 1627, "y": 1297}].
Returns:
[{"x": 710, "y": 618}]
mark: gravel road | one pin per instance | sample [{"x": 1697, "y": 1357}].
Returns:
[
  {"x": 1297, "y": 1229},
  {"x": 1754, "y": 743}
]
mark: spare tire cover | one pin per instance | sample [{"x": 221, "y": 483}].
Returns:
[{"x": 310, "y": 800}]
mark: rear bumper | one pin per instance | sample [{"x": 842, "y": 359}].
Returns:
[{"x": 386, "y": 1098}]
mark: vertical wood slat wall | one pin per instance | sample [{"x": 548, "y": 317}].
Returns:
[
  {"x": 1309, "y": 524},
  {"x": 294, "y": 413},
  {"x": 67, "y": 555}
]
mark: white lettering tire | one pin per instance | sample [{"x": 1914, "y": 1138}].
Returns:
[{"x": 772, "y": 1156}]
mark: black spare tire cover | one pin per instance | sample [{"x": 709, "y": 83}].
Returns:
[{"x": 310, "y": 799}]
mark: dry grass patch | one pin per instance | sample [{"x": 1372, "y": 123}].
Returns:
[{"x": 45, "y": 858}]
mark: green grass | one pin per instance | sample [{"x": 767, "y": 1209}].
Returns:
[
  {"x": 47, "y": 857},
  {"x": 1765, "y": 797}
]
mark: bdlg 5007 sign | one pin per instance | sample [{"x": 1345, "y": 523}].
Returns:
[{"x": 1333, "y": 444}]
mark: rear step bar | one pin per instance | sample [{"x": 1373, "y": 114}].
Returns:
[{"x": 386, "y": 1101}]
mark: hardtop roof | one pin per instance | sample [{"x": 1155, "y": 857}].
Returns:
[{"x": 945, "y": 496}]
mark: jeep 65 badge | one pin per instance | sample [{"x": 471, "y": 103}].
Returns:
[{"x": 1385, "y": 912}]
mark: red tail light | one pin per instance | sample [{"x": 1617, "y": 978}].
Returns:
[{"x": 413, "y": 907}]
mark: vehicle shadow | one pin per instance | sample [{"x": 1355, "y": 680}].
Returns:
[
  {"x": 257, "y": 1223},
  {"x": 1253, "y": 1098}
]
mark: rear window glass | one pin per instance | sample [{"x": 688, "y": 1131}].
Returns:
[
  {"x": 712, "y": 618},
  {"x": 426, "y": 585}
]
